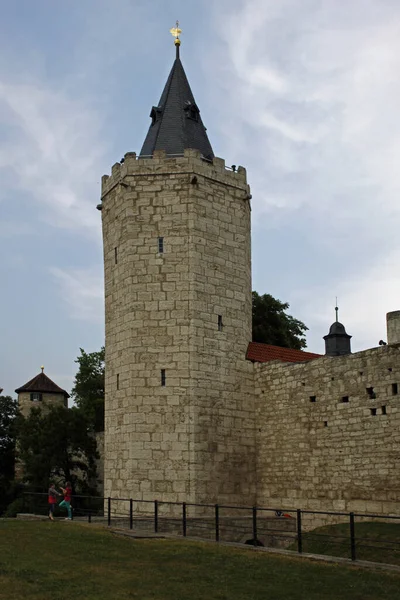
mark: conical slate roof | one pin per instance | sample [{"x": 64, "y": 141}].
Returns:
[
  {"x": 176, "y": 122},
  {"x": 41, "y": 383}
]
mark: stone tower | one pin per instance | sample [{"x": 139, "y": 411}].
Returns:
[
  {"x": 40, "y": 391},
  {"x": 179, "y": 422}
]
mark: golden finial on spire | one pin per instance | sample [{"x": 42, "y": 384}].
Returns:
[
  {"x": 175, "y": 31},
  {"x": 42, "y": 367}
]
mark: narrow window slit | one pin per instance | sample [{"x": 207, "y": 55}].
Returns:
[
  {"x": 313, "y": 398},
  {"x": 163, "y": 378},
  {"x": 220, "y": 323},
  {"x": 394, "y": 389},
  {"x": 116, "y": 255},
  {"x": 345, "y": 398},
  {"x": 373, "y": 412},
  {"x": 117, "y": 381},
  {"x": 371, "y": 393},
  {"x": 384, "y": 410},
  {"x": 325, "y": 423},
  {"x": 160, "y": 245}
]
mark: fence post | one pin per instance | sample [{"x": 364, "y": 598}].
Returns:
[
  {"x": 299, "y": 538},
  {"x": 352, "y": 537},
  {"x": 155, "y": 516},
  {"x": 184, "y": 518},
  {"x": 109, "y": 511},
  {"x": 216, "y": 523},
  {"x": 254, "y": 525},
  {"x": 131, "y": 514}
]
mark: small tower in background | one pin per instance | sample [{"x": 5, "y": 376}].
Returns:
[
  {"x": 337, "y": 342},
  {"x": 40, "y": 391}
]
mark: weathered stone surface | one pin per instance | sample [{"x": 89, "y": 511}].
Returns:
[
  {"x": 192, "y": 439},
  {"x": 393, "y": 327},
  {"x": 331, "y": 453},
  {"x": 25, "y": 403},
  {"x": 318, "y": 435}
]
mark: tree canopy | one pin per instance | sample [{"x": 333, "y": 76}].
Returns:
[
  {"x": 271, "y": 324},
  {"x": 8, "y": 414},
  {"x": 56, "y": 444},
  {"x": 88, "y": 390}
]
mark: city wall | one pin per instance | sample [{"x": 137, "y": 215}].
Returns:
[{"x": 328, "y": 432}]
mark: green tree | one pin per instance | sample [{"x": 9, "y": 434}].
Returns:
[
  {"x": 88, "y": 390},
  {"x": 8, "y": 414},
  {"x": 271, "y": 325},
  {"x": 57, "y": 444}
]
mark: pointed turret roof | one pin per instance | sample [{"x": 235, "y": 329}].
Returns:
[
  {"x": 176, "y": 121},
  {"x": 42, "y": 383}
]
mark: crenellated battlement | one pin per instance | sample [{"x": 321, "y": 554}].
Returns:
[{"x": 162, "y": 164}]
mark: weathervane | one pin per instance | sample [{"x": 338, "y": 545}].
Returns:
[
  {"x": 175, "y": 31},
  {"x": 337, "y": 311}
]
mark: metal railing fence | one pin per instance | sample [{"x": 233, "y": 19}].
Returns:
[{"x": 341, "y": 535}]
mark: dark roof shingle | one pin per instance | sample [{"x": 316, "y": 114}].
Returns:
[
  {"x": 176, "y": 120},
  {"x": 42, "y": 383}
]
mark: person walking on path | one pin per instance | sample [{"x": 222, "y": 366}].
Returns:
[
  {"x": 52, "y": 499},
  {"x": 66, "y": 503}
]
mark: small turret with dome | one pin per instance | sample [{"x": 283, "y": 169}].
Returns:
[{"x": 337, "y": 342}]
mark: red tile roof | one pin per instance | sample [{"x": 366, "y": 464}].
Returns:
[
  {"x": 258, "y": 352},
  {"x": 41, "y": 383}
]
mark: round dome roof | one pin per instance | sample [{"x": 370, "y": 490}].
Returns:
[{"x": 337, "y": 329}]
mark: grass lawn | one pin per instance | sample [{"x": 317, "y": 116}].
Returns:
[
  {"x": 382, "y": 545},
  {"x": 64, "y": 560}
]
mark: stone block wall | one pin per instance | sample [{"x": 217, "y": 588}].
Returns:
[
  {"x": 328, "y": 432},
  {"x": 25, "y": 404},
  {"x": 191, "y": 439},
  {"x": 393, "y": 327}
]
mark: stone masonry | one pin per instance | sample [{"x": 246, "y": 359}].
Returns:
[
  {"x": 25, "y": 404},
  {"x": 179, "y": 395},
  {"x": 328, "y": 432},
  {"x": 187, "y": 417}
]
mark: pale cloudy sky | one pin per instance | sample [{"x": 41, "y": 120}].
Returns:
[{"x": 304, "y": 94}]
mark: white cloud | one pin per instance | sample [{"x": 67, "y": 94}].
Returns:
[
  {"x": 51, "y": 151},
  {"x": 82, "y": 292},
  {"x": 318, "y": 87},
  {"x": 315, "y": 119}
]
